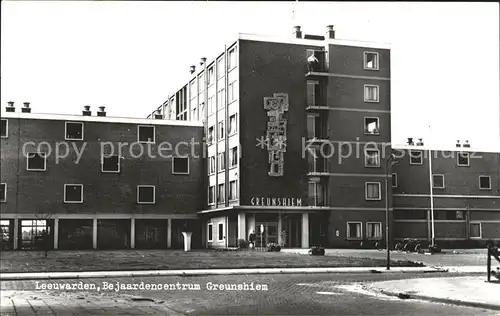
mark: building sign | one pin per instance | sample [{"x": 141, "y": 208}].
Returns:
[
  {"x": 276, "y": 107},
  {"x": 284, "y": 201}
]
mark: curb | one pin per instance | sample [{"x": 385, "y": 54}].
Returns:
[
  {"x": 403, "y": 295},
  {"x": 205, "y": 272}
]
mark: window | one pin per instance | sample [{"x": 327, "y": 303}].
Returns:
[
  {"x": 233, "y": 190},
  {"x": 372, "y": 158},
  {"x": 194, "y": 115},
  {"x": 374, "y": 230},
  {"x": 316, "y": 194},
  {"x": 36, "y": 162},
  {"x": 211, "y": 164},
  {"x": 313, "y": 92},
  {"x": 354, "y": 230},
  {"x": 372, "y": 126},
  {"x": 416, "y": 158},
  {"x": 232, "y": 92},
  {"x": 73, "y": 193},
  {"x": 210, "y": 232},
  {"x": 4, "y": 128},
  {"x": 221, "y": 195},
  {"x": 211, "y": 75},
  {"x": 485, "y": 182},
  {"x": 73, "y": 131},
  {"x": 463, "y": 159},
  {"x": 449, "y": 215},
  {"x": 201, "y": 82},
  {"x": 220, "y": 228},
  {"x": 221, "y": 130},
  {"x": 211, "y": 109},
  {"x": 3, "y": 192},
  {"x": 146, "y": 194},
  {"x": 146, "y": 134},
  {"x": 222, "y": 161},
  {"x": 371, "y": 93},
  {"x": 372, "y": 191},
  {"x": 231, "y": 63},
  {"x": 233, "y": 157},
  {"x": 394, "y": 180},
  {"x": 475, "y": 230},
  {"x": 438, "y": 181},
  {"x": 220, "y": 68},
  {"x": 110, "y": 163},
  {"x": 180, "y": 165},
  {"x": 233, "y": 127},
  {"x": 210, "y": 135},
  {"x": 371, "y": 61},
  {"x": 221, "y": 98},
  {"x": 211, "y": 195},
  {"x": 314, "y": 126}
]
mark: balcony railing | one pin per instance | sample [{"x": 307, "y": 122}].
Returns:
[{"x": 318, "y": 66}]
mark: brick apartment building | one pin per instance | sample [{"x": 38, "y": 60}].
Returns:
[
  {"x": 302, "y": 150},
  {"x": 85, "y": 200}
]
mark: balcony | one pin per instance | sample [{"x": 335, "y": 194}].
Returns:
[
  {"x": 316, "y": 128},
  {"x": 316, "y": 64},
  {"x": 317, "y": 194},
  {"x": 317, "y": 163}
]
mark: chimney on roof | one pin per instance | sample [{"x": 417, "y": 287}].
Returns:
[
  {"x": 297, "y": 32},
  {"x": 86, "y": 111},
  {"x": 410, "y": 141},
  {"x": 101, "y": 111},
  {"x": 458, "y": 144},
  {"x": 26, "y": 108},
  {"x": 466, "y": 145},
  {"x": 330, "y": 33},
  {"x": 10, "y": 107},
  {"x": 192, "y": 69},
  {"x": 420, "y": 142},
  {"x": 203, "y": 60},
  {"x": 158, "y": 115}
]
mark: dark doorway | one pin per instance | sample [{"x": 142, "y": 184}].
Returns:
[{"x": 75, "y": 234}]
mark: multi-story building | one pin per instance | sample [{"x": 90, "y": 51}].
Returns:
[{"x": 93, "y": 181}]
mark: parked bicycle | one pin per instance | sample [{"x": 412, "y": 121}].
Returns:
[{"x": 408, "y": 245}]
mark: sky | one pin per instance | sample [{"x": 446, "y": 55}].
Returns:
[{"x": 128, "y": 56}]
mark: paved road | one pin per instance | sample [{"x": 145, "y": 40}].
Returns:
[{"x": 318, "y": 294}]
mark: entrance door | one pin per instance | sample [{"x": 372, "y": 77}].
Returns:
[{"x": 270, "y": 234}]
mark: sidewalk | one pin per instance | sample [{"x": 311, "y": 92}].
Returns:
[
  {"x": 110, "y": 274},
  {"x": 467, "y": 291}
]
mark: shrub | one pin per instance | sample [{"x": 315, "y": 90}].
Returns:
[
  {"x": 273, "y": 247},
  {"x": 317, "y": 251},
  {"x": 242, "y": 244}
]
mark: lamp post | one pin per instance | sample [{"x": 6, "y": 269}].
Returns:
[{"x": 387, "y": 162}]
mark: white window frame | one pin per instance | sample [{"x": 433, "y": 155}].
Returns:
[
  {"x": 44, "y": 161},
  {"x": 221, "y": 155},
  {"x": 6, "y": 128},
  {"x": 312, "y": 83},
  {"x": 489, "y": 180},
  {"x": 210, "y": 138},
  {"x": 458, "y": 159},
  {"x": 348, "y": 230},
  {"x": 377, "y": 94},
  {"x": 210, "y": 169},
  {"x": 480, "y": 230},
  {"x": 220, "y": 238},
  {"x": 211, "y": 78},
  {"x": 173, "y": 163},
  {"x": 235, "y": 198},
  {"x": 235, "y": 124},
  {"x": 421, "y": 157},
  {"x": 366, "y": 158},
  {"x": 379, "y": 191},
  {"x": 146, "y": 186},
  {"x": 213, "y": 195},
  {"x": 365, "y": 54},
  {"x": 434, "y": 184},
  {"x": 374, "y": 238},
  {"x": 208, "y": 232},
  {"x": 73, "y": 202},
  {"x": 219, "y": 134},
  {"x": 394, "y": 183},
  {"x": 4, "y": 192},
  {"x": 119, "y": 164},
  {"x": 229, "y": 52},
  {"x": 224, "y": 193},
  {"x": 66, "y": 131},
  {"x": 366, "y": 125},
  {"x": 146, "y": 142},
  {"x": 231, "y": 157}
]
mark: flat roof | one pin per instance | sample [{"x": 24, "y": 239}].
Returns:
[
  {"x": 447, "y": 148},
  {"x": 101, "y": 119}
]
